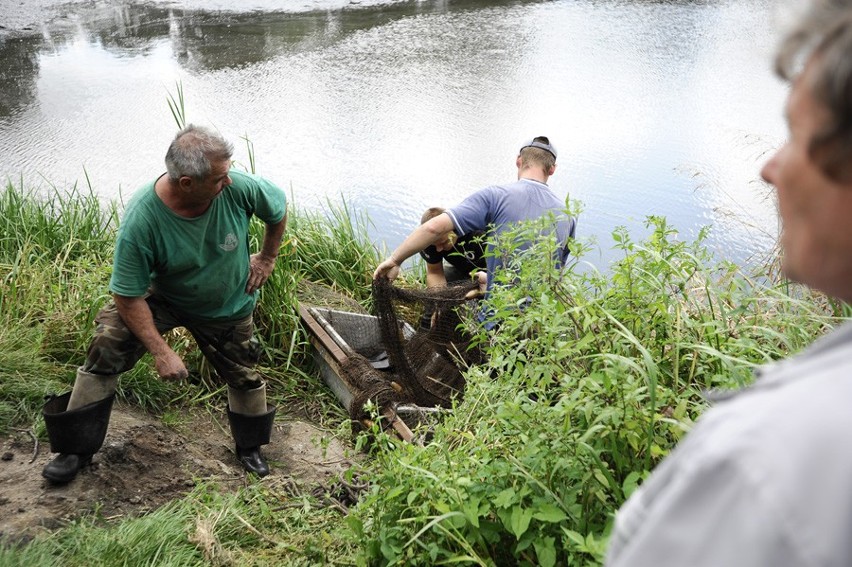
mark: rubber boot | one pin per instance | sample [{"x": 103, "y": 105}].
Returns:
[
  {"x": 77, "y": 423},
  {"x": 251, "y": 420}
]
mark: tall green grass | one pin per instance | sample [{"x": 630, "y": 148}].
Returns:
[
  {"x": 51, "y": 284},
  {"x": 55, "y": 262},
  {"x": 588, "y": 386},
  {"x": 51, "y": 243}
]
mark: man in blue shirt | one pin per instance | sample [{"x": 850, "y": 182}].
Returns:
[{"x": 494, "y": 210}]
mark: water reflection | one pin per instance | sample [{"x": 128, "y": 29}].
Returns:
[
  {"x": 654, "y": 105},
  {"x": 210, "y": 40},
  {"x": 18, "y": 72},
  {"x": 201, "y": 40}
]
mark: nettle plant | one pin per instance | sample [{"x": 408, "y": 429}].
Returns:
[{"x": 592, "y": 378}]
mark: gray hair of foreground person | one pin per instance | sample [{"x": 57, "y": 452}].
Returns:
[
  {"x": 193, "y": 150},
  {"x": 824, "y": 40}
]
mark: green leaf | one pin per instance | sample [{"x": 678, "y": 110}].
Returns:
[
  {"x": 599, "y": 476},
  {"x": 471, "y": 511},
  {"x": 394, "y": 492},
  {"x": 506, "y": 498},
  {"x": 680, "y": 410},
  {"x": 521, "y": 518},
  {"x": 355, "y": 525},
  {"x": 549, "y": 513},
  {"x": 545, "y": 551},
  {"x": 631, "y": 483},
  {"x": 575, "y": 537},
  {"x": 584, "y": 342}
]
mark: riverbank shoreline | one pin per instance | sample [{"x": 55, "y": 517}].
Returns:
[
  {"x": 22, "y": 18},
  {"x": 18, "y": 18}
]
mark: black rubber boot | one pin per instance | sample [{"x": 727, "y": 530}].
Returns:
[
  {"x": 76, "y": 435},
  {"x": 250, "y": 432}
]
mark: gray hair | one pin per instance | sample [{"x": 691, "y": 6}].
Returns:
[
  {"x": 823, "y": 39},
  {"x": 193, "y": 150}
]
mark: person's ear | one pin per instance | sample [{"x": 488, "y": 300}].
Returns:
[
  {"x": 552, "y": 170},
  {"x": 185, "y": 182},
  {"x": 518, "y": 162}
]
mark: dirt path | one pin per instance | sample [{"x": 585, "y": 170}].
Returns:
[{"x": 144, "y": 464}]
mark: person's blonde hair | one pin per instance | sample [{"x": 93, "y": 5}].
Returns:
[
  {"x": 532, "y": 155},
  {"x": 431, "y": 213}
]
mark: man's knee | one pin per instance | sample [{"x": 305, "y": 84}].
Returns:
[{"x": 113, "y": 350}]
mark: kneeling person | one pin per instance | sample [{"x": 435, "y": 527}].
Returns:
[{"x": 451, "y": 258}]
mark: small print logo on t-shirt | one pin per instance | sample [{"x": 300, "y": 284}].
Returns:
[{"x": 230, "y": 242}]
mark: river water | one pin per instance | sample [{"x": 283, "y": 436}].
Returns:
[{"x": 656, "y": 107}]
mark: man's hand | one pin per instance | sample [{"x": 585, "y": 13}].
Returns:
[
  {"x": 170, "y": 366},
  {"x": 388, "y": 269},
  {"x": 260, "y": 268},
  {"x": 136, "y": 314},
  {"x": 482, "y": 279}
]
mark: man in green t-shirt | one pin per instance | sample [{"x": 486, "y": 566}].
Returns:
[{"x": 181, "y": 260}]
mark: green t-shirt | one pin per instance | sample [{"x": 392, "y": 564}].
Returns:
[{"x": 199, "y": 266}]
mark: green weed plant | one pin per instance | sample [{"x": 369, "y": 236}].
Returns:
[{"x": 592, "y": 378}]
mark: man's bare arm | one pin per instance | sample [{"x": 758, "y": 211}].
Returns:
[
  {"x": 421, "y": 237},
  {"x": 137, "y": 316}
]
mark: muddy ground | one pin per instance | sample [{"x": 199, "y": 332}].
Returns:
[{"x": 145, "y": 464}]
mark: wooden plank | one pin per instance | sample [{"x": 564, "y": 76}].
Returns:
[
  {"x": 330, "y": 355},
  {"x": 320, "y": 333},
  {"x": 399, "y": 425}
]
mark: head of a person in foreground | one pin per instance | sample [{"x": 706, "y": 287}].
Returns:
[{"x": 812, "y": 171}]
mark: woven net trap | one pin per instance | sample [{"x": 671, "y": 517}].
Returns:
[{"x": 415, "y": 367}]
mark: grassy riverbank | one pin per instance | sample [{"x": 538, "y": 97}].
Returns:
[{"x": 586, "y": 389}]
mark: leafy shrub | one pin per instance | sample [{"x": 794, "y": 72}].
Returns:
[{"x": 592, "y": 379}]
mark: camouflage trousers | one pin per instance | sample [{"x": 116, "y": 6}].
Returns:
[{"x": 229, "y": 346}]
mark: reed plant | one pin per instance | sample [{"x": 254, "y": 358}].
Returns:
[
  {"x": 52, "y": 248},
  {"x": 55, "y": 260},
  {"x": 61, "y": 223},
  {"x": 329, "y": 247}
]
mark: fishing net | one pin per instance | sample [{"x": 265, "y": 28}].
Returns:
[{"x": 414, "y": 366}]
